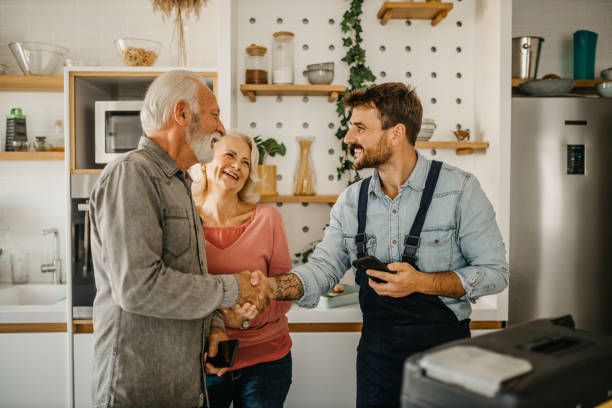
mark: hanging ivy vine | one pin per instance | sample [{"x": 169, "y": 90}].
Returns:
[{"x": 360, "y": 76}]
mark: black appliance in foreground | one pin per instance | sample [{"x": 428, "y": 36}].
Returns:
[{"x": 558, "y": 366}]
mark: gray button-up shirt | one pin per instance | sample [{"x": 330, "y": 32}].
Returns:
[
  {"x": 460, "y": 235},
  {"x": 155, "y": 300}
]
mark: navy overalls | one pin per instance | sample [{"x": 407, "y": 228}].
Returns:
[{"x": 395, "y": 328}]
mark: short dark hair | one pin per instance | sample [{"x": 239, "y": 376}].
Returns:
[{"x": 395, "y": 102}]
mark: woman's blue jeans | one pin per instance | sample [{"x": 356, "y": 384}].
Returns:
[{"x": 262, "y": 385}]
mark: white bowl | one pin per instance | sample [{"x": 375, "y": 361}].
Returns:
[
  {"x": 604, "y": 89},
  {"x": 320, "y": 76}
]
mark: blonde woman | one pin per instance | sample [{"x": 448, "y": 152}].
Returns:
[{"x": 241, "y": 235}]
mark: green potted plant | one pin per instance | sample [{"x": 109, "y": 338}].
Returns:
[{"x": 267, "y": 172}]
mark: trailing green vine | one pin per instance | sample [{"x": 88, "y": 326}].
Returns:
[{"x": 360, "y": 76}]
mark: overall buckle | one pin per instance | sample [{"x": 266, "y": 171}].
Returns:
[
  {"x": 360, "y": 242},
  {"x": 411, "y": 245}
]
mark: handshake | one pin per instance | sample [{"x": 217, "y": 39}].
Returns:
[
  {"x": 256, "y": 293},
  {"x": 256, "y": 290}
]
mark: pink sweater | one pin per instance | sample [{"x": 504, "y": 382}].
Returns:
[{"x": 258, "y": 244}]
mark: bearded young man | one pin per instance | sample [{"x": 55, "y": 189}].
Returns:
[
  {"x": 156, "y": 311},
  {"x": 432, "y": 225}
]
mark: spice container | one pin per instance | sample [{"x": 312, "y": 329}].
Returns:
[
  {"x": 304, "y": 175},
  {"x": 16, "y": 133},
  {"x": 256, "y": 64},
  {"x": 282, "y": 58}
]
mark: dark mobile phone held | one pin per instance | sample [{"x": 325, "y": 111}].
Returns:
[
  {"x": 371, "y": 262},
  {"x": 226, "y": 354}
]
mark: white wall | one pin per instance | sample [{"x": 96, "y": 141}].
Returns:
[
  {"x": 89, "y": 27},
  {"x": 556, "y": 21}
]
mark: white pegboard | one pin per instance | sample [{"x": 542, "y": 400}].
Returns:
[{"x": 429, "y": 54}]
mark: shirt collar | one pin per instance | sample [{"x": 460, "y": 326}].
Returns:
[
  {"x": 164, "y": 161},
  {"x": 416, "y": 181}
]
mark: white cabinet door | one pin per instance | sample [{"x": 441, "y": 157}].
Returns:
[
  {"x": 323, "y": 370},
  {"x": 33, "y": 370},
  {"x": 83, "y": 370}
]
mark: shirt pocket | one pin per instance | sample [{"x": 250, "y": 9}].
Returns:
[
  {"x": 349, "y": 243},
  {"x": 435, "y": 252},
  {"x": 177, "y": 232}
]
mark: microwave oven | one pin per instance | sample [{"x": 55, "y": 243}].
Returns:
[{"x": 117, "y": 129}]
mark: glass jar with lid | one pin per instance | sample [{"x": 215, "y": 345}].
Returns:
[
  {"x": 282, "y": 58},
  {"x": 256, "y": 64}
]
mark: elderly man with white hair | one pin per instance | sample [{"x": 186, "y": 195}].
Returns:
[{"x": 156, "y": 311}]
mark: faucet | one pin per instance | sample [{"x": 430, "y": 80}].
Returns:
[{"x": 55, "y": 266}]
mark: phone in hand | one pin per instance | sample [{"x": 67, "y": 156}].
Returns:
[
  {"x": 371, "y": 262},
  {"x": 226, "y": 354}
]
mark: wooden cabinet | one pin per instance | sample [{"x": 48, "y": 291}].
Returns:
[{"x": 85, "y": 88}]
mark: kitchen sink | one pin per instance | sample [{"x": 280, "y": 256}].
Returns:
[
  {"x": 32, "y": 303},
  {"x": 32, "y": 294}
]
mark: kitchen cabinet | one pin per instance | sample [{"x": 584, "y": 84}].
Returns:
[
  {"x": 35, "y": 370},
  {"x": 323, "y": 370},
  {"x": 83, "y": 370}
]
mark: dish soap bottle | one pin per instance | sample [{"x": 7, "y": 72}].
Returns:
[{"x": 16, "y": 134}]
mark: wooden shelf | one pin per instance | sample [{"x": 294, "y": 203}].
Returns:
[
  {"x": 31, "y": 155},
  {"x": 31, "y": 83},
  {"x": 319, "y": 199},
  {"x": 331, "y": 91},
  {"x": 578, "y": 83},
  {"x": 461, "y": 148},
  {"x": 405, "y": 10}
]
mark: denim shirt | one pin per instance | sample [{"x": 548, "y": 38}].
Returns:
[{"x": 460, "y": 235}]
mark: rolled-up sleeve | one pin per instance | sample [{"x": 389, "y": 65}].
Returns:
[
  {"x": 328, "y": 262},
  {"x": 481, "y": 244},
  {"x": 126, "y": 217}
]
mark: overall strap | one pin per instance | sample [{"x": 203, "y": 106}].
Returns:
[
  {"x": 362, "y": 209},
  {"x": 412, "y": 240}
]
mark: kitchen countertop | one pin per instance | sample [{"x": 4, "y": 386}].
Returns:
[
  {"x": 484, "y": 310},
  {"x": 319, "y": 319}
]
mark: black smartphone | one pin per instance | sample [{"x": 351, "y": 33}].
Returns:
[
  {"x": 371, "y": 262},
  {"x": 226, "y": 354}
]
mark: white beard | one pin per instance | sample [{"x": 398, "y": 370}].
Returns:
[{"x": 201, "y": 145}]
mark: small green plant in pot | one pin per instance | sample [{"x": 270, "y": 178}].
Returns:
[{"x": 267, "y": 172}]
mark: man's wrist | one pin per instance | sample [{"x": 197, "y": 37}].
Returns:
[
  {"x": 424, "y": 282},
  {"x": 272, "y": 284}
]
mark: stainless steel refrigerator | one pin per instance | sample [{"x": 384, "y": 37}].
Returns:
[{"x": 561, "y": 210}]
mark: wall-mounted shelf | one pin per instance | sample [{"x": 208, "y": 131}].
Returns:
[
  {"x": 31, "y": 156},
  {"x": 331, "y": 91},
  {"x": 31, "y": 83},
  {"x": 319, "y": 199},
  {"x": 578, "y": 83},
  {"x": 461, "y": 148},
  {"x": 405, "y": 10}
]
